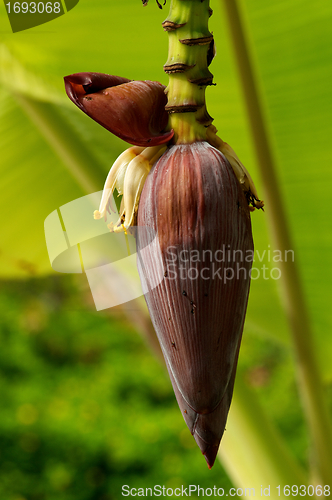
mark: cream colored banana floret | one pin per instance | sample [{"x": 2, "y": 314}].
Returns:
[
  {"x": 127, "y": 175},
  {"x": 240, "y": 171}
]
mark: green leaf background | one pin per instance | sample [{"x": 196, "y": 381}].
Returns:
[{"x": 292, "y": 47}]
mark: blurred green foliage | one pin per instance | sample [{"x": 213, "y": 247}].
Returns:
[{"x": 86, "y": 408}]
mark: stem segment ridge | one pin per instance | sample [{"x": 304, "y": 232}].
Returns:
[{"x": 191, "y": 48}]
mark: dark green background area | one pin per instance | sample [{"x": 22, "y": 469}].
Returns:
[
  {"x": 20, "y": 21},
  {"x": 70, "y": 4},
  {"x": 85, "y": 407}
]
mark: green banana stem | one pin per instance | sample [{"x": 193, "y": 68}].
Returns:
[{"x": 190, "y": 52}]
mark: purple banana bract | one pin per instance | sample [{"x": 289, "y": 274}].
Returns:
[{"x": 193, "y": 201}]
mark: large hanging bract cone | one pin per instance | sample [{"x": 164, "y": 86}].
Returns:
[{"x": 203, "y": 250}]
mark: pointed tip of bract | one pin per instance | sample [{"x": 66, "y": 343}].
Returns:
[
  {"x": 210, "y": 455},
  {"x": 209, "y": 451}
]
